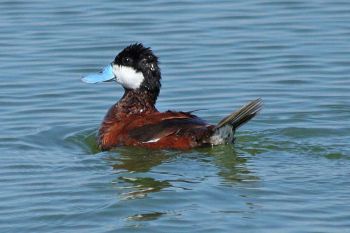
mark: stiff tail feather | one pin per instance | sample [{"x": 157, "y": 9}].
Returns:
[{"x": 225, "y": 129}]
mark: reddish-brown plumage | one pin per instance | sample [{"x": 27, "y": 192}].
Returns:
[{"x": 149, "y": 128}]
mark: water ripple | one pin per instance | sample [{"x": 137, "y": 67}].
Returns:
[{"x": 288, "y": 170}]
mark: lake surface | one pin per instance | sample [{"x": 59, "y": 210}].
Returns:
[{"x": 289, "y": 170}]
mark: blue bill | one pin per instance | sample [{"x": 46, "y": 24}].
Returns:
[{"x": 105, "y": 75}]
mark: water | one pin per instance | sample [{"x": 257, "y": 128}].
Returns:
[{"x": 288, "y": 172}]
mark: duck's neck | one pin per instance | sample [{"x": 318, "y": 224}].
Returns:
[{"x": 136, "y": 102}]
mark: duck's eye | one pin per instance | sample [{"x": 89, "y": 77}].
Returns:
[{"x": 126, "y": 60}]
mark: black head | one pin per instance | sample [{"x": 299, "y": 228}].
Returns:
[{"x": 134, "y": 62}]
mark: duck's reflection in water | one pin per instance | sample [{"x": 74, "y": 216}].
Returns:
[
  {"x": 137, "y": 174},
  {"x": 143, "y": 172},
  {"x": 133, "y": 166},
  {"x": 231, "y": 164}
]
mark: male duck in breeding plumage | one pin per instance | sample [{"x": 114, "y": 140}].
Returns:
[{"x": 135, "y": 121}]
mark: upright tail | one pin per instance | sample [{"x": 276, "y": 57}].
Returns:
[{"x": 225, "y": 129}]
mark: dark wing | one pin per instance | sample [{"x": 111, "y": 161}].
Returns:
[{"x": 181, "y": 126}]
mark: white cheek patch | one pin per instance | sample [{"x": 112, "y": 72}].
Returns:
[{"x": 128, "y": 77}]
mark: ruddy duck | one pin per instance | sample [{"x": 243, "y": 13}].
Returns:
[{"x": 135, "y": 121}]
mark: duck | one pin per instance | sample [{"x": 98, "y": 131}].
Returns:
[{"x": 135, "y": 121}]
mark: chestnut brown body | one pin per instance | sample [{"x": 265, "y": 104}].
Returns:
[{"x": 134, "y": 121}]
